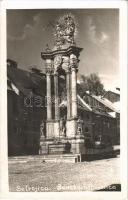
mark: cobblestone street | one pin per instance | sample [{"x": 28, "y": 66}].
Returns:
[{"x": 84, "y": 176}]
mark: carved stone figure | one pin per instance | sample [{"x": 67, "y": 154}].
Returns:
[
  {"x": 64, "y": 31},
  {"x": 63, "y": 126},
  {"x": 47, "y": 48},
  {"x": 66, "y": 63},
  {"x": 79, "y": 126},
  {"x": 69, "y": 29},
  {"x": 57, "y": 62},
  {"x": 42, "y": 128},
  {"x": 59, "y": 34}
]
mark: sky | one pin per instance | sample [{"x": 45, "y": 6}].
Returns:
[{"x": 29, "y": 31}]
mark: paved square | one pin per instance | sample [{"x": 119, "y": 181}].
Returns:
[{"x": 46, "y": 177}]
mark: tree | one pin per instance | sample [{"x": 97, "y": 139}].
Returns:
[{"x": 91, "y": 83}]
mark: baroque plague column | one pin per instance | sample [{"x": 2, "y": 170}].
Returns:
[{"x": 63, "y": 59}]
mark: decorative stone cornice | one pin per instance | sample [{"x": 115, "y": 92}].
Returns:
[
  {"x": 72, "y": 119},
  {"x": 68, "y": 71},
  {"x": 65, "y": 52},
  {"x": 49, "y": 71}
]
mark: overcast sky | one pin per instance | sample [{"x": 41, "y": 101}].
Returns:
[{"x": 28, "y": 32}]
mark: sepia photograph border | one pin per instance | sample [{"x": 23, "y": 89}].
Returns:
[{"x": 57, "y": 4}]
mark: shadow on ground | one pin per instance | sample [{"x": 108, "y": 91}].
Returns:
[{"x": 100, "y": 157}]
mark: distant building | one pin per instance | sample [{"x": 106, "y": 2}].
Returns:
[
  {"x": 26, "y": 110},
  {"x": 105, "y": 117},
  {"x": 113, "y": 95}
]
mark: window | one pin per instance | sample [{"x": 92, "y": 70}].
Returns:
[
  {"x": 86, "y": 99},
  {"x": 81, "y": 117},
  {"x": 87, "y": 116},
  {"x": 86, "y": 129}
]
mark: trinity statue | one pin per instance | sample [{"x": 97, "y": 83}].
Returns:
[
  {"x": 62, "y": 60},
  {"x": 64, "y": 32}
]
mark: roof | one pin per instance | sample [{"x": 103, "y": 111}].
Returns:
[
  {"x": 115, "y": 91},
  {"x": 106, "y": 103},
  {"x": 102, "y": 113},
  {"x": 9, "y": 86},
  {"x": 83, "y": 104},
  {"x": 86, "y": 107},
  {"x": 26, "y": 81},
  {"x": 117, "y": 105},
  {"x": 112, "y": 114}
]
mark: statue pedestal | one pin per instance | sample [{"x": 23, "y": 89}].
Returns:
[
  {"x": 71, "y": 128},
  {"x": 52, "y": 129},
  {"x": 56, "y": 129},
  {"x": 77, "y": 145},
  {"x": 49, "y": 129}
]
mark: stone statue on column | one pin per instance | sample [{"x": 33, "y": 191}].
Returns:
[
  {"x": 63, "y": 126},
  {"x": 62, "y": 60},
  {"x": 80, "y": 126},
  {"x": 69, "y": 30},
  {"x": 57, "y": 62},
  {"x": 64, "y": 32},
  {"x": 42, "y": 129}
]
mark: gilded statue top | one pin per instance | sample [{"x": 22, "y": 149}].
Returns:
[{"x": 64, "y": 32}]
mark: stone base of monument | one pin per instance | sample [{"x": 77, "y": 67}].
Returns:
[
  {"x": 71, "y": 127},
  {"x": 52, "y": 147},
  {"x": 77, "y": 145},
  {"x": 67, "y": 145},
  {"x": 63, "y": 158},
  {"x": 52, "y": 129}
]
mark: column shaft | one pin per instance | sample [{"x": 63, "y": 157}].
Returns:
[
  {"x": 49, "y": 103},
  {"x": 56, "y": 96},
  {"x": 74, "y": 92},
  {"x": 68, "y": 95}
]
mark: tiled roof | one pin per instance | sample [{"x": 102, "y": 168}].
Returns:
[
  {"x": 115, "y": 91},
  {"x": 101, "y": 113},
  {"x": 86, "y": 107},
  {"x": 106, "y": 103},
  {"x": 26, "y": 81},
  {"x": 117, "y": 105},
  {"x": 113, "y": 114},
  {"x": 83, "y": 104}
]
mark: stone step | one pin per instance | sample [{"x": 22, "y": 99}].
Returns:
[{"x": 68, "y": 158}]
